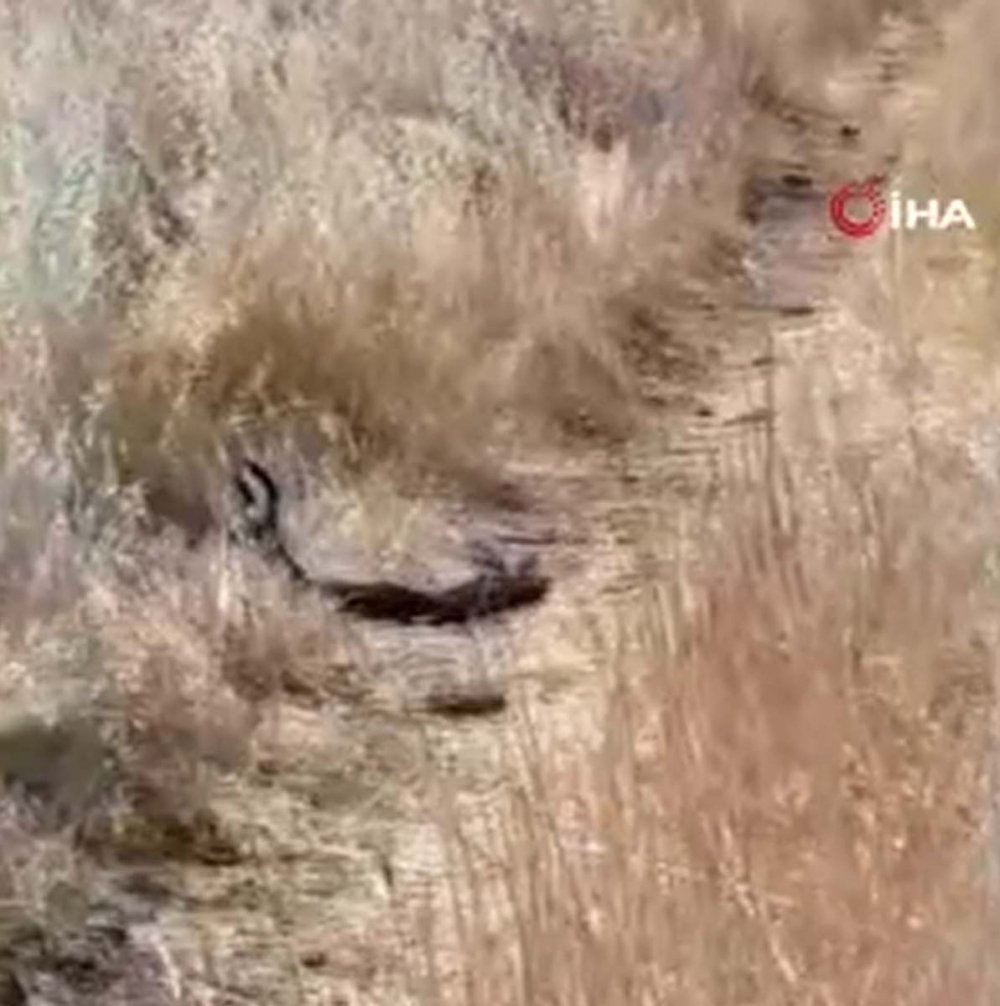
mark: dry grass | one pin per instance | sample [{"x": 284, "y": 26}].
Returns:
[
  {"x": 950, "y": 151},
  {"x": 406, "y": 238},
  {"x": 360, "y": 241},
  {"x": 269, "y": 236},
  {"x": 789, "y": 800}
]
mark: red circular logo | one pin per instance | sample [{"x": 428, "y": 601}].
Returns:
[{"x": 850, "y": 225}]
